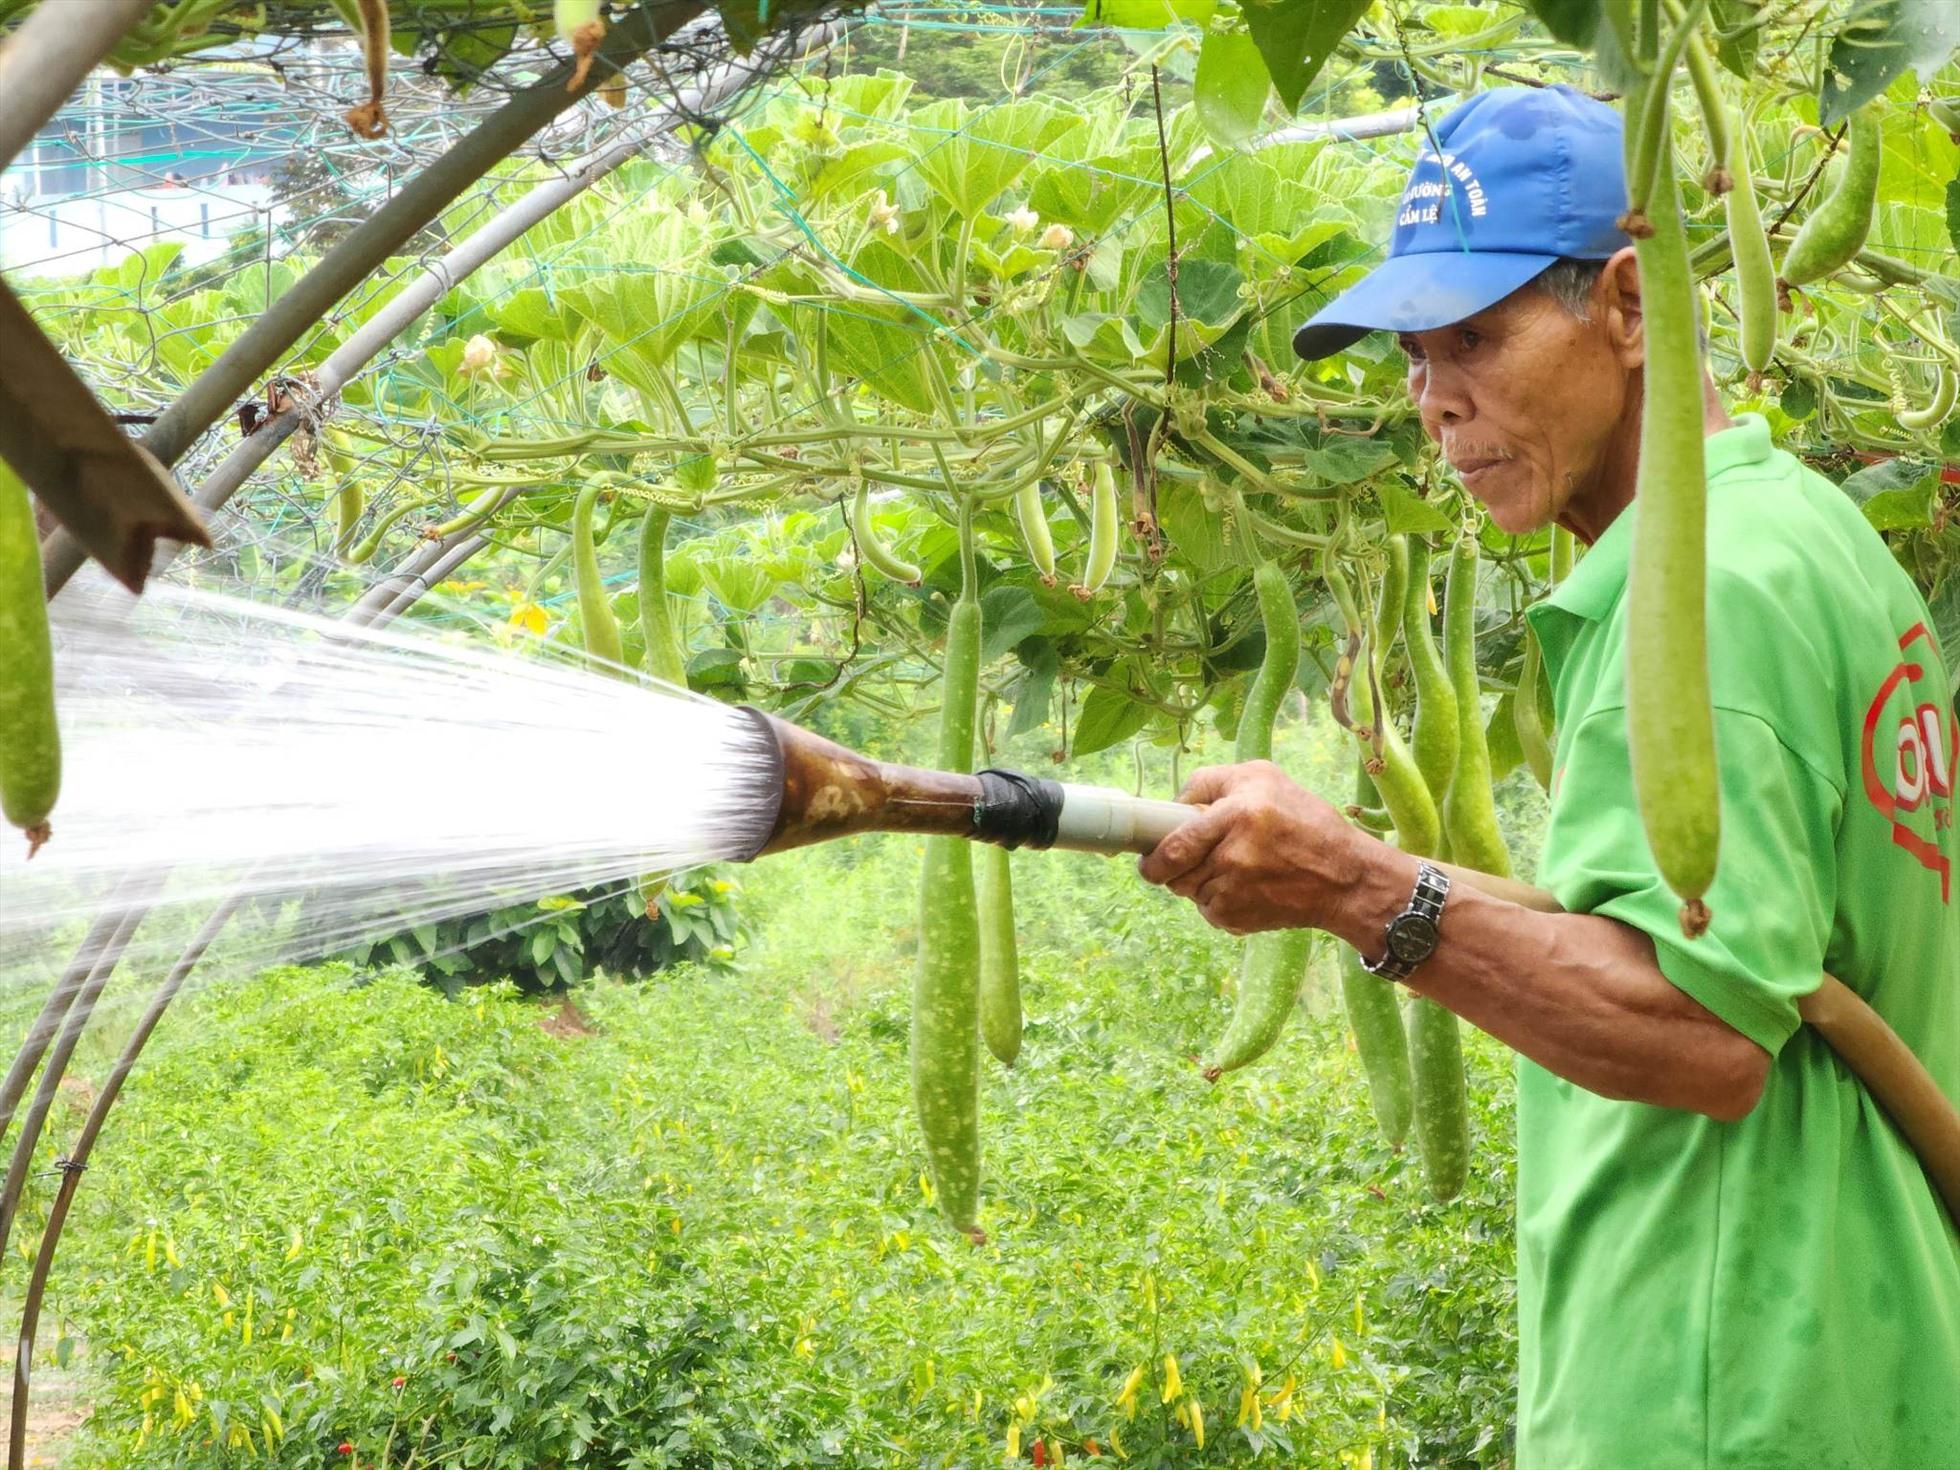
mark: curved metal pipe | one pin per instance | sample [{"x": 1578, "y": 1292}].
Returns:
[{"x": 77, "y": 1161}]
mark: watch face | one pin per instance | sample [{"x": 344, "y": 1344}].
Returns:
[{"x": 1412, "y": 938}]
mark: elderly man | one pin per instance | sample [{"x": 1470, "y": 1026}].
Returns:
[{"x": 1727, "y": 1256}]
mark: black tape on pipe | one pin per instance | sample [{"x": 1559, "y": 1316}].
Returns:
[{"x": 1017, "y": 810}]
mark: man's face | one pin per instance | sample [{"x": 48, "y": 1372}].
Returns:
[{"x": 1524, "y": 400}]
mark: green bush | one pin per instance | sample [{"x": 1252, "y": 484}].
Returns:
[
  {"x": 691, "y": 1231},
  {"x": 626, "y": 932}
]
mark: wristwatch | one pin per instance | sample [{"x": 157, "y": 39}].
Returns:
[{"x": 1413, "y": 934}]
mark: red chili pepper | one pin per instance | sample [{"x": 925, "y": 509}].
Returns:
[
  {"x": 399, "y": 1382},
  {"x": 1040, "y": 1453},
  {"x": 346, "y": 1448}
]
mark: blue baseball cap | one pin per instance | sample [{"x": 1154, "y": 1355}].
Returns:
[{"x": 1527, "y": 176}]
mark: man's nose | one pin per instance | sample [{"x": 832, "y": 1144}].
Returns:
[{"x": 1440, "y": 396}]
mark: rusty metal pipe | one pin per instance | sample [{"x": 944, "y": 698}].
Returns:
[{"x": 825, "y": 791}]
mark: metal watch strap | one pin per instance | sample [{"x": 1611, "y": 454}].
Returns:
[{"x": 1425, "y": 908}]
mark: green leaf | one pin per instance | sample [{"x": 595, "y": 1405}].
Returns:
[
  {"x": 1876, "y": 43},
  {"x": 1033, "y": 694},
  {"x": 970, "y": 157},
  {"x": 1897, "y": 494},
  {"x": 1953, "y": 212},
  {"x": 1297, "y": 36},
  {"x": 1231, "y": 87},
  {"x": 1944, "y": 605},
  {"x": 855, "y": 169},
  {"x": 1007, "y": 615},
  {"x": 1572, "y": 21},
  {"x": 1738, "y": 54},
  {"x": 1108, "y": 715},
  {"x": 1145, "y": 15},
  {"x": 1196, "y": 532},
  {"x": 884, "y": 345},
  {"x": 714, "y": 667},
  {"x": 1407, "y": 512},
  {"x": 1207, "y": 292}
]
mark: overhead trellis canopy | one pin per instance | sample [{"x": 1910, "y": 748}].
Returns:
[
  {"x": 116, "y": 505},
  {"x": 467, "y": 42}
]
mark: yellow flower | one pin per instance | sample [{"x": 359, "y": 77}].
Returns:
[{"x": 1173, "y": 1380}]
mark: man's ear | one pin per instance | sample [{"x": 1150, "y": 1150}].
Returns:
[{"x": 1618, "y": 309}]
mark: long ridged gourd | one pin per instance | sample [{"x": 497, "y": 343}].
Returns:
[
  {"x": 1670, "y": 717},
  {"x": 1433, "y": 737},
  {"x": 1835, "y": 231},
  {"x": 1755, "y": 271},
  {"x": 664, "y": 659},
  {"x": 1273, "y": 964},
  {"x": 30, "y": 741},
  {"x": 1396, "y": 776},
  {"x": 1000, "y": 961},
  {"x": 945, "y": 1040},
  {"x": 1374, "y": 1013},
  {"x": 595, "y": 612}
]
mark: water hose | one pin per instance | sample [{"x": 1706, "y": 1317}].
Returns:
[{"x": 820, "y": 791}]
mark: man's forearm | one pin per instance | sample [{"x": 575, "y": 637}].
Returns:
[{"x": 1582, "y": 996}]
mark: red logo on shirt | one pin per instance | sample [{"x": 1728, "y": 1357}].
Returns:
[{"x": 1922, "y": 756}]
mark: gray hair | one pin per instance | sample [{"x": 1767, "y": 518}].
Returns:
[{"x": 1570, "y": 283}]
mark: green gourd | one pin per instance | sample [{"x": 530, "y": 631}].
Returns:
[
  {"x": 595, "y": 612},
  {"x": 1670, "y": 719},
  {"x": 1755, "y": 271},
  {"x": 874, "y": 552},
  {"x": 1000, "y": 969},
  {"x": 1392, "y": 767},
  {"x": 1935, "y": 411},
  {"x": 1528, "y": 718},
  {"x": 945, "y": 1039},
  {"x": 1035, "y": 535},
  {"x": 1374, "y": 1012},
  {"x": 1469, "y": 812},
  {"x": 1834, "y": 232},
  {"x": 1273, "y": 964},
  {"x": 1442, "y": 1108},
  {"x": 664, "y": 660},
  {"x": 1104, "y": 516},
  {"x": 30, "y": 741},
  {"x": 1433, "y": 739}
]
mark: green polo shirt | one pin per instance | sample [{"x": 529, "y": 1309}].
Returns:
[{"x": 1783, "y": 1291}]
